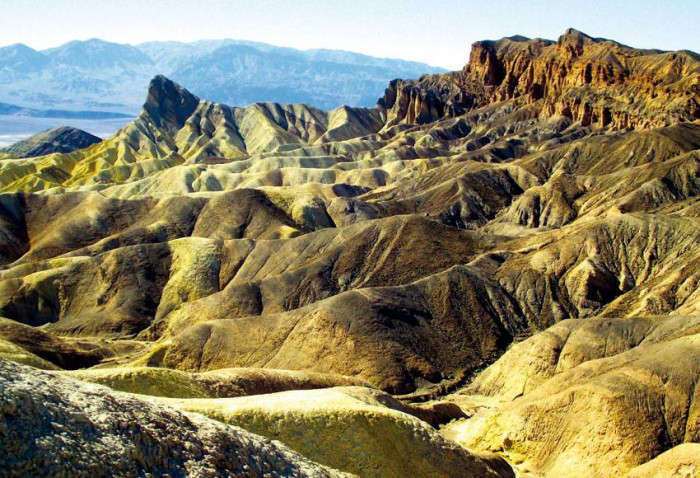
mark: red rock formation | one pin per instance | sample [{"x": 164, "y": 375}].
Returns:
[{"x": 596, "y": 82}]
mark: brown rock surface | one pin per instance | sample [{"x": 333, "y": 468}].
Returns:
[{"x": 592, "y": 81}]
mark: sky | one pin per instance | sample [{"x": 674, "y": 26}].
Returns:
[{"x": 437, "y": 32}]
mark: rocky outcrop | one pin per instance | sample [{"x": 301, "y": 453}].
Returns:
[
  {"x": 591, "y": 81},
  {"x": 51, "y": 426},
  {"x": 422, "y": 101},
  {"x": 168, "y": 104}
]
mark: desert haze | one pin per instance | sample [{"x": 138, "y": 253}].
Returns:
[{"x": 493, "y": 273}]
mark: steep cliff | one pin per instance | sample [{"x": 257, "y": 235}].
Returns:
[{"x": 592, "y": 81}]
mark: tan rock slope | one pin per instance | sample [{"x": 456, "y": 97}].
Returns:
[
  {"x": 353, "y": 429},
  {"x": 407, "y": 246},
  {"x": 683, "y": 460},
  {"x": 599, "y": 396},
  {"x": 226, "y": 382}
]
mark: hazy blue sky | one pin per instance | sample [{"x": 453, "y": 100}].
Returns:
[{"x": 438, "y": 32}]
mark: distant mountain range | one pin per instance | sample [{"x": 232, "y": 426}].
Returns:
[{"x": 99, "y": 76}]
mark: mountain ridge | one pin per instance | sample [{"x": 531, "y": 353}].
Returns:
[
  {"x": 527, "y": 70},
  {"x": 97, "y": 72}
]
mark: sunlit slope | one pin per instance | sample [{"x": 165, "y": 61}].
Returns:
[
  {"x": 353, "y": 429},
  {"x": 175, "y": 128},
  {"x": 600, "y": 396}
]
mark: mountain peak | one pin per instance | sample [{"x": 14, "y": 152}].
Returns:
[
  {"x": 96, "y": 53},
  {"x": 575, "y": 41},
  {"x": 19, "y": 47},
  {"x": 21, "y": 59},
  {"x": 169, "y": 104},
  {"x": 572, "y": 33}
]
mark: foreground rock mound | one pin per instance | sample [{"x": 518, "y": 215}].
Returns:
[
  {"x": 227, "y": 382},
  {"x": 353, "y": 429},
  {"x": 53, "y": 426}
]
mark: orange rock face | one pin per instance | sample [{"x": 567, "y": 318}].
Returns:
[{"x": 596, "y": 82}]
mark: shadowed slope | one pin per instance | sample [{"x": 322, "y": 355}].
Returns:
[{"x": 62, "y": 139}]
